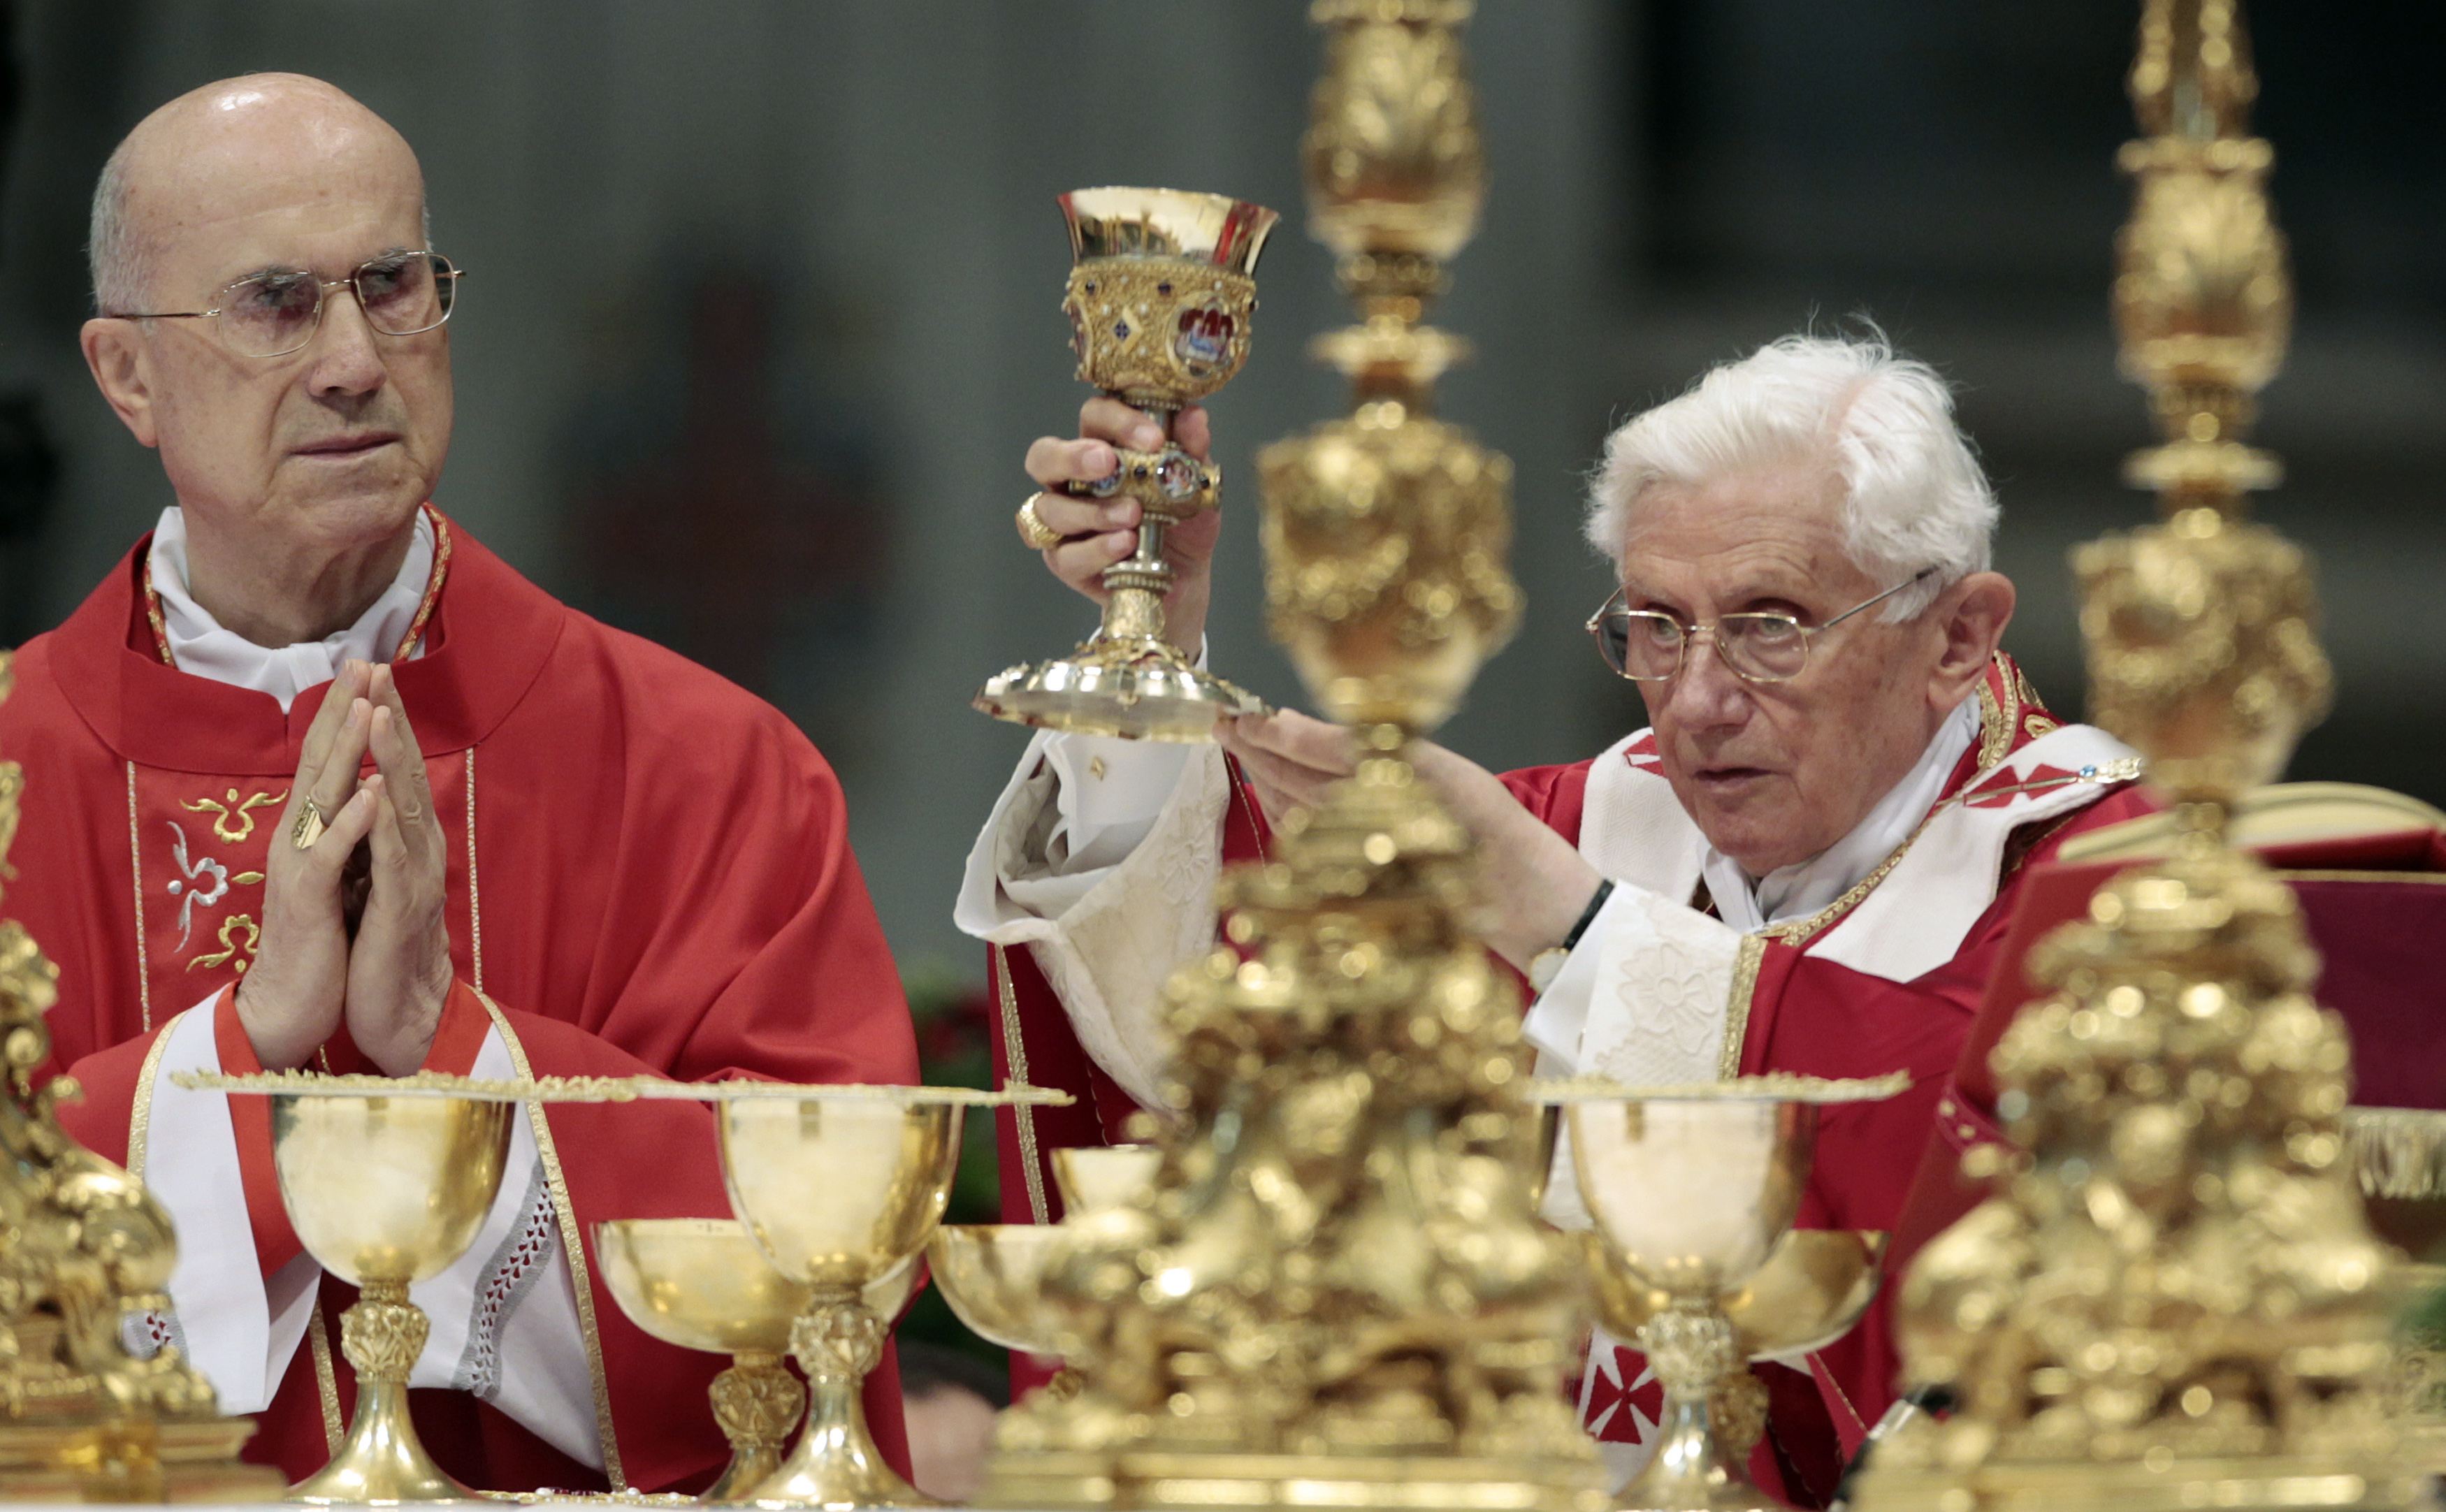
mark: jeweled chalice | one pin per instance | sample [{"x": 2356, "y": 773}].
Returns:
[
  {"x": 1693, "y": 1192},
  {"x": 837, "y": 1189},
  {"x": 1160, "y": 301},
  {"x": 702, "y": 1285},
  {"x": 385, "y": 1191}
]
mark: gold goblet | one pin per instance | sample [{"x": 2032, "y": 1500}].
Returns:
[
  {"x": 990, "y": 1274},
  {"x": 1693, "y": 1192},
  {"x": 386, "y": 1191},
  {"x": 1093, "y": 1177},
  {"x": 837, "y": 1191},
  {"x": 1160, "y": 301},
  {"x": 702, "y": 1285}
]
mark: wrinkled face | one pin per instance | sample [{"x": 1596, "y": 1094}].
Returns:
[
  {"x": 1774, "y": 773},
  {"x": 326, "y": 447}
]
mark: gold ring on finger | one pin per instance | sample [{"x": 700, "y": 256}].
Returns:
[
  {"x": 309, "y": 825},
  {"x": 1032, "y": 529}
]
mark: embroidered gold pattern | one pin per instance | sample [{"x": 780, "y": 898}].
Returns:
[
  {"x": 475, "y": 894},
  {"x": 136, "y": 874},
  {"x": 234, "y": 819},
  {"x": 327, "y": 1381},
  {"x": 232, "y": 947},
  {"x": 407, "y": 641},
  {"x": 1736, "y": 1011},
  {"x": 1998, "y": 722},
  {"x": 1015, "y": 1052},
  {"x": 140, "y": 1118},
  {"x": 573, "y": 1246}
]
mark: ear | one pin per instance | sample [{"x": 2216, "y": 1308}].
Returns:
[
  {"x": 1972, "y": 616},
  {"x": 115, "y": 351}
]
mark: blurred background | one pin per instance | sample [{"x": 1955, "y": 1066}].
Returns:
[{"x": 764, "y": 311}]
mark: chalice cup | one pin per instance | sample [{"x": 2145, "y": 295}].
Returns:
[
  {"x": 837, "y": 1192},
  {"x": 1160, "y": 301},
  {"x": 701, "y": 1284},
  {"x": 992, "y": 1274},
  {"x": 1094, "y": 1177},
  {"x": 1692, "y": 1196},
  {"x": 386, "y": 1191}
]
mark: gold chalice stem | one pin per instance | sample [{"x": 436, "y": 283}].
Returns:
[
  {"x": 1692, "y": 1347},
  {"x": 1139, "y": 581},
  {"x": 836, "y": 1341},
  {"x": 382, "y": 1459},
  {"x": 757, "y": 1402}
]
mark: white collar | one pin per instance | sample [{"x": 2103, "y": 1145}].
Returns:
[
  {"x": 200, "y": 645},
  {"x": 1805, "y": 887}
]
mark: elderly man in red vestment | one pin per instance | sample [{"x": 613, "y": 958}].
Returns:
[
  {"x": 313, "y": 778},
  {"x": 1805, "y": 863}
]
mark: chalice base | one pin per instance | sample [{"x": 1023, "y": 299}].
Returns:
[
  {"x": 1689, "y": 1474},
  {"x": 1227, "y": 1482},
  {"x": 837, "y": 1464},
  {"x": 1135, "y": 687},
  {"x": 136, "y": 1461},
  {"x": 2273, "y": 1483},
  {"x": 382, "y": 1459},
  {"x": 749, "y": 1469}
]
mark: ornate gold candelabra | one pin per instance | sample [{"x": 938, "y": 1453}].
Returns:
[
  {"x": 2174, "y": 1301},
  {"x": 1337, "y": 1291},
  {"x": 1160, "y": 298},
  {"x": 86, "y": 1247}
]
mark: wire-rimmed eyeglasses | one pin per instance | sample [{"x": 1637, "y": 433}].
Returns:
[
  {"x": 277, "y": 312},
  {"x": 1649, "y": 646}
]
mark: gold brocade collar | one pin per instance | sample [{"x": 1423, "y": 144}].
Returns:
[{"x": 406, "y": 642}]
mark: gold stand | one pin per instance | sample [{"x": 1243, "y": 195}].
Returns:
[
  {"x": 1336, "y": 1293},
  {"x": 2176, "y": 1301}
]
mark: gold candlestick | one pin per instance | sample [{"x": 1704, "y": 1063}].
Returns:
[
  {"x": 1336, "y": 1291},
  {"x": 1160, "y": 303},
  {"x": 2176, "y": 1300}
]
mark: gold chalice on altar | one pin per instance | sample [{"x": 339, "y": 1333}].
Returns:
[
  {"x": 991, "y": 1273},
  {"x": 1160, "y": 301},
  {"x": 385, "y": 1191},
  {"x": 1094, "y": 1177},
  {"x": 1693, "y": 1192},
  {"x": 702, "y": 1285},
  {"x": 838, "y": 1188}
]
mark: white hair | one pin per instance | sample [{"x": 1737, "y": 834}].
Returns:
[
  {"x": 1914, "y": 495},
  {"x": 120, "y": 258}
]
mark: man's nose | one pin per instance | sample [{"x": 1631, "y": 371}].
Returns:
[
  {"x": 1706, "y": 692},
  {"x": 346, "y": 359}
]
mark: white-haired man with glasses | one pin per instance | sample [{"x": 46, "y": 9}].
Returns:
[
  {"x": 312, "y": 780},
  {"x": 1805, "y": 863}
]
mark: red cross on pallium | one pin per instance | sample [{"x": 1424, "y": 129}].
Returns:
[{"x": 1625, "y": 1401}]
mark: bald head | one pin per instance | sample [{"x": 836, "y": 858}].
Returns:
[{"x": 265, "y": 144}]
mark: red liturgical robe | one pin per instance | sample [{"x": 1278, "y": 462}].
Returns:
[
  {"x": 1888, "y": 978},
  {"x": 650, "y": 873}
]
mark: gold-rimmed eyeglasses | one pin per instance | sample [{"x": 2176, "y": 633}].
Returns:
[
  {"x": 1649, "y": 646},
  {"x": 277, "y": 312}
]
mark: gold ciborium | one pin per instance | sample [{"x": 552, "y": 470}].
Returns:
[
  {"x": 1693, "y": 1192},
  {"x": 385, "y": 1191},
  {"x": 1160, "y": 301},
  {"x": 702, "y": 1285},
  {"x": 838, "y": 1188}
]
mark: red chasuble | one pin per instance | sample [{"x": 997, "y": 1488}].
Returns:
[
  {"x": 650, "y": 873},
  {"x": 1799, "y": 1013}
]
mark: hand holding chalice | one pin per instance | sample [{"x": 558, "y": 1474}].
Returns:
[{"x": 1159, "y": 301}]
